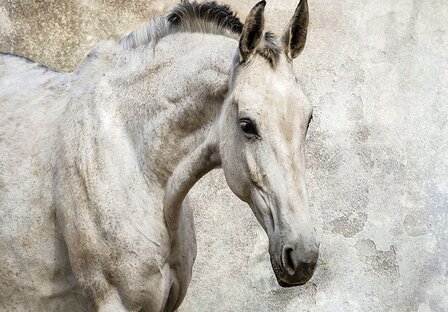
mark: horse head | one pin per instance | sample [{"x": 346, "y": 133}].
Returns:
[{"x": 262, "y": 142}]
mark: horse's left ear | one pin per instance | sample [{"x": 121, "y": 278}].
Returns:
[{"x": 294, "y": 36}]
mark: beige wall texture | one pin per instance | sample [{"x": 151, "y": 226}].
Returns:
[{"x": 377, "y": 152}]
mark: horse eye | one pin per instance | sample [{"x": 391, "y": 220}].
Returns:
[{"x": 248, "y": 127}]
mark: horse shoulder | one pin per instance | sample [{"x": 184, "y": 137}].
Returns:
[{"x": 111, "y": 217}]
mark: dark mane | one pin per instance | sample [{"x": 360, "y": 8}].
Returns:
[
  {"x": 206, "y": 17},
  {"x": 224, "y": 18},
  {"x": 211, "y": 12}
]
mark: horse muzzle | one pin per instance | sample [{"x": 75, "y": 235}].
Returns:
[{"x": 294, "y": 265}]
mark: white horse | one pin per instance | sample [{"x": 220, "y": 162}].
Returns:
[{"x": 96, "y": 164}]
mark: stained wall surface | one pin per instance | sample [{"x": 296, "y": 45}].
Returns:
[{"x": 377, "y": 152}]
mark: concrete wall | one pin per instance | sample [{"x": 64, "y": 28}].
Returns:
[{"x": 377, "y": 75}]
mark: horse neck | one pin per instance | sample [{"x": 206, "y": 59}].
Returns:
[
  {"x": 171, "y": 105},
  {"x": 159, "y": 105},
  {"x": 176, "y": 133},
  {"x": 165, "y": 96},
  {"x": 149, "y": 119}
]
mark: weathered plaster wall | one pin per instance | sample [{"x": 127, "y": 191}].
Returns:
[{"x": 377, "y": 75}]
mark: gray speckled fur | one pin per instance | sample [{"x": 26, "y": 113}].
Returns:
[{"x": 375, "y": 72}]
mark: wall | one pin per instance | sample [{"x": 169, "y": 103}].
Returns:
[{"x": 377, "y": 75}]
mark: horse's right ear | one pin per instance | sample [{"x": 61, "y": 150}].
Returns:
[
  {"x": 252, "y": 31},
  {"x": 294, "y": 37}
]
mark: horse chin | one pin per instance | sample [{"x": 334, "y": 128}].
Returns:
[
  {"x": 287, "y": 285},
  {"x": 283, "y": 282}
]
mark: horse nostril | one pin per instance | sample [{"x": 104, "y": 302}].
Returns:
[
  {"x": 296, "y": 262},
  {"x": 289, "y": 261}
]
